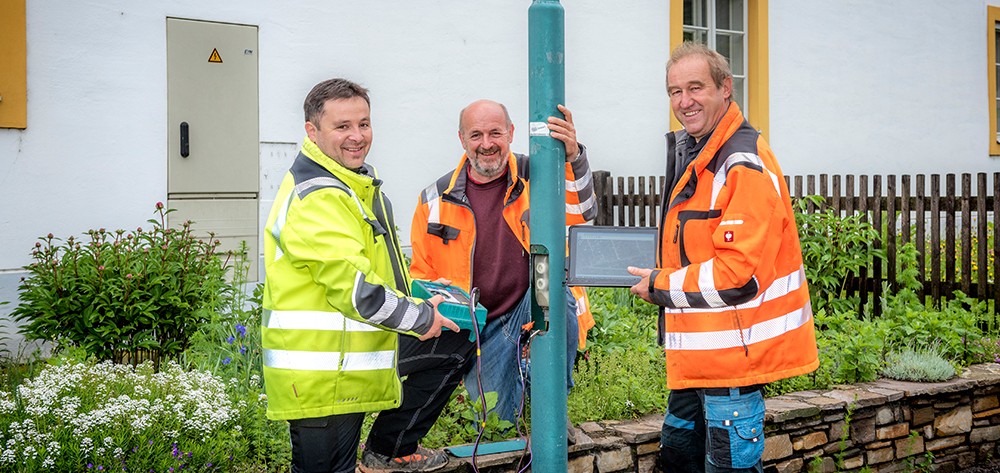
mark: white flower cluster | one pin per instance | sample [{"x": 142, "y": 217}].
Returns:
[{"x": 112, "y": 403}]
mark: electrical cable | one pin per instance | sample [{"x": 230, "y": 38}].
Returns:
[
  {"x": 473, "y": 300},
  {"x": 523, "y": 375}
]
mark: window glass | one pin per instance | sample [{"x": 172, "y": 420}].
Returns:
[
  {"x": 721, "y": 25},
  {"x": 729, "y": 15}
]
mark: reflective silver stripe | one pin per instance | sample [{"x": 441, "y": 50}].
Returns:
[
  {"x": 677, "y": 295},
  {"x": 731, "y": 222},
  {"x": 720, "y": 177},
  {"x": 780, "y": 287},
  {"x": 328, "y": 360},
  {"x": 706, "y": 284},
  {"x": 579, "y": 184},
  {"x": 409, "y": 317},
  {"x": 582, "y": 207},
  {"x": 433, "y": 204},
  {"x": 774, "y": 181},
  {"x": 736, "y": 338},
  {"x": 301, "y": 360},
  {"x": 313, "y": 320},
  {"x": 279, "y": 224},
  {"x": 383, "y": 312},
  {"x": 319, "y": 182},
  {"x": 363, "y": 361}
]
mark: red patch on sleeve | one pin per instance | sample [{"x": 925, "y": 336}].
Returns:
[{"x": 728, "y": 236}]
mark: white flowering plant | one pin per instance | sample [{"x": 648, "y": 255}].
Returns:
[{"x": 78, "y": 416}]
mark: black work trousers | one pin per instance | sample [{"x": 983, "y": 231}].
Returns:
[{"x": 432, "y": 370}]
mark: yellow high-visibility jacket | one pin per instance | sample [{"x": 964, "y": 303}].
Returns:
[{"x": 336, "y": 293}]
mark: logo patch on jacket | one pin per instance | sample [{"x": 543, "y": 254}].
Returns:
[{"x": 728, "y": 236}]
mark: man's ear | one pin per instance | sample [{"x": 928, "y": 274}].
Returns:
[
  {"x": 727, "y": 87},
  {"x": 510, "y": 134},
  {"x": 311, "y": 131}
]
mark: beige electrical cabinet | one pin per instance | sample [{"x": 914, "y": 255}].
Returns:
[{"x": 213, "y": 158}]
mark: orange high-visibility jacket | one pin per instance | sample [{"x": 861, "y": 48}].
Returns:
[
  {"x": 443, "y": 233},
  {"x": 729, "y": 274}
]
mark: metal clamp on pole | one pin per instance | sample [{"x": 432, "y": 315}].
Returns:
[{"x": 540, "y": 282}]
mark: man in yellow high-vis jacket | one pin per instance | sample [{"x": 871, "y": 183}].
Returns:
[{"x": 336, "y": 299}]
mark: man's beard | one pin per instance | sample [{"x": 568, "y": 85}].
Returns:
[{"x": 490, "y": 171}]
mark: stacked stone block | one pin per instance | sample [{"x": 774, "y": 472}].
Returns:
[{"x": 884, "y": 426}]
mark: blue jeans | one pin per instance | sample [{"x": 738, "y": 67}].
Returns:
[{"x": 501, "y": 359}]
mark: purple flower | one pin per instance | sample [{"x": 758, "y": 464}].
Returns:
[
  {"x": 230, "y": 339},
  {"x": 227, "y": 361},
  {"x": 100, "y": 467},
  {"x": 241, "y": 329},
  {"x": 243, "y": 349},
  {"x": 174, "y": 451},
  {"x": 90, "y": 465}
]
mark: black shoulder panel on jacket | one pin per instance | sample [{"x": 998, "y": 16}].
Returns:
[
  {"x": 744, "y": 140},
  {"x": 523, "y": 168},
  {"x": 309, "y": 176}
]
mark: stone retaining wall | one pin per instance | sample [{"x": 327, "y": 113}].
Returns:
[{"x": 884, "y": 426}]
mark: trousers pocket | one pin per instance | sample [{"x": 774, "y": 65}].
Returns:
[{"x": 735, "y": 429}]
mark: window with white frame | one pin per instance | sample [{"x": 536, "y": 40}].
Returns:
[{"x": 722, "y": 26}]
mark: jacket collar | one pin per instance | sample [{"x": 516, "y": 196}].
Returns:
[
  {"x": 361, "y": 181},
  {"x": 460, "y": 178}
]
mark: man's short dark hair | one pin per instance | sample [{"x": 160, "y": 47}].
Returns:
[{"x": 332, "y": 89}]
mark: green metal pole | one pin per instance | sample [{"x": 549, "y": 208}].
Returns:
[{"x": 546, "y": 80}]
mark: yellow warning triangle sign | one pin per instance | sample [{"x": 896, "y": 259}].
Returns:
[{"x": 215, "y": 56}]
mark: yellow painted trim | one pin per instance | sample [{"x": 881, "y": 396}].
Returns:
[
  {"x": 676, "y": 38},
  {"x": 758, "y": 102},
  {"x": 13, "y": 65},
  {"x": 993, "y": 16},
  {"x": 758, "y": 83}
]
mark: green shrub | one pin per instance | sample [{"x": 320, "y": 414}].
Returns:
[
  {"x": 912, "y": 365},
  {"x": 619, "y": 384},
  {"x": 123, "y": 296},
  {"x": 833, "y": 248}
]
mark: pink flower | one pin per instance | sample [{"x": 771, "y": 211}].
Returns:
[{"x": 159, "y": 206}]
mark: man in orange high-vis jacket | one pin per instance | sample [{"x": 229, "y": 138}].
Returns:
[
  {"x": 729, "y": 277},
  {"x": 471, "y": 228}
]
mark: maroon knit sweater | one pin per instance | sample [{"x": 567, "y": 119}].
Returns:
[{"x": 499, "y": 262}]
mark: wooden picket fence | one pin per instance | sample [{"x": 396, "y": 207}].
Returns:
[{"x": 952, "y": 228}]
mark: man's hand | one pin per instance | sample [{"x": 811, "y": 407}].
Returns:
[
  {"x": 439, "y": 321},
  {"x": 563, "y": 130},
  {"x": 641, "y": 288}
]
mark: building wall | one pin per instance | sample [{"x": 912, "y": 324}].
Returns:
[
  {"x": 855, "y": 86},
  {"x": 879, "y": 87}
]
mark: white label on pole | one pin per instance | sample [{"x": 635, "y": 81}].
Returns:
[{"x": 538, "y": 129}]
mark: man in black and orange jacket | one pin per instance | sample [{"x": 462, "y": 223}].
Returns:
[
  {"x": 729, "y": 275},
  {"x": 471, "y": 228}
]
